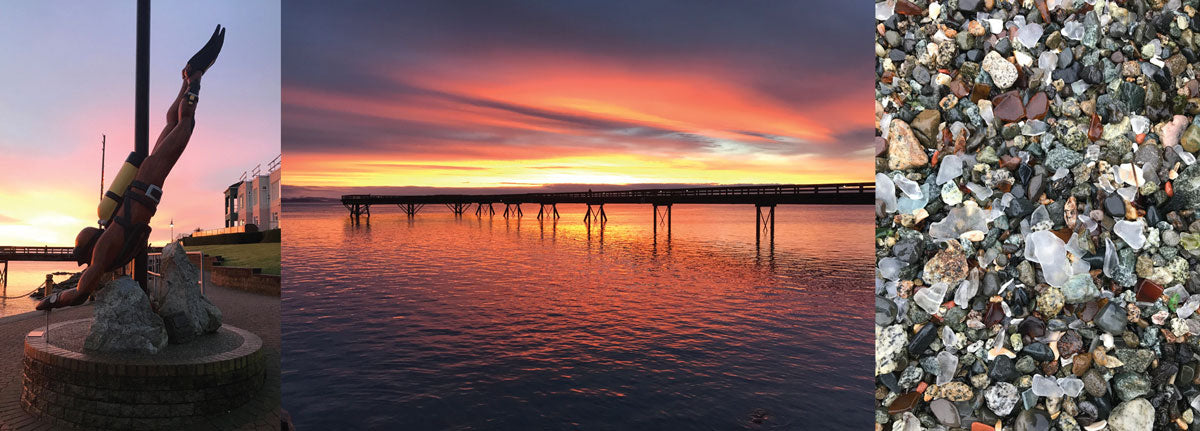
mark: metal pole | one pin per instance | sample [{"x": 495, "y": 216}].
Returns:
[
  {"x": 103, "y": 146},
  {"x": 141, "y": 120}
]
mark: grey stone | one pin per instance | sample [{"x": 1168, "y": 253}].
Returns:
[
  {"x": 1128, "y": 386},
  {"x": 1112, "y": 318},
  {"x": 1094, "y": 383},
  {"x": 1001, "y": 398},
  {"x": 1033, "y": 420},
  {"x": 124, "y": 321},
  {"x": 1135, "y": 360},
  {"x": 1080, "y": 288},
  {"x": 1132, "y": 415},
  {"x": 186, "y": 311},
  {"x": 945, "y": 412}
]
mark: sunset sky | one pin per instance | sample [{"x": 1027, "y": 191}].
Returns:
[
  {"x": 431, "y": 95},
  {"x": 68, "y": 78}
]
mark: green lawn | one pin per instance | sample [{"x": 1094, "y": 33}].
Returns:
[{"x": 262, "y": 255}]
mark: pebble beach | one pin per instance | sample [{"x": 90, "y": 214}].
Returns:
[{"x": 1036, "y": 208}]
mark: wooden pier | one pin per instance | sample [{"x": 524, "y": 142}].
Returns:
[{"x": 764, "y": 199}]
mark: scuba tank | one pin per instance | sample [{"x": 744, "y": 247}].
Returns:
[{"x": 112, "y": 198}]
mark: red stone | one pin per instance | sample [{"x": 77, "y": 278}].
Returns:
[
  {"x": 959, "y": 88},
  {"x": 1037, "y": 106},
  {"x": 905, "y": 7},
  {"x": 1095, "y": 130},
  {"x": 1007, "y": 107},
  {"x": 1070, "y": 343},
  {"x": 1148, "y": 291},
  {"x": 904, "y": 403},
  {"x": 1010, "y": 162},
  {"x": 1089, "y": 311}
]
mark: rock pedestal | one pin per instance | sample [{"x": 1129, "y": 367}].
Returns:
[
  {"x": 124, "y": 321},
  {"x": 186, "y": 312}
]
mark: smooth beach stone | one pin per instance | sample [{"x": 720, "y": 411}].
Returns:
[
  {"x": 922, "y": 339},
  {"x": 1094, "y": 383},
  {"x": 945, "y": 412},
  {"x": 1033, "y": 420},
  {"x": 1114, "y": 206},
  {"x": 1039, "y": 351},
  {"x": 1003, "y": 369},
  {"x": 885, "y": 311}
]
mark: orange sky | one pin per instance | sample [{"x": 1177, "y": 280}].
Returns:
[
  {"x": 478, "y": 110},
  {"x": 77, "y": 83}
]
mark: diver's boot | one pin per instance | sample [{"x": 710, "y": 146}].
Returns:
[{"x": 207, "y": 55}]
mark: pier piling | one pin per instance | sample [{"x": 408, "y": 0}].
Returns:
[{"x": 764, "y": 223}]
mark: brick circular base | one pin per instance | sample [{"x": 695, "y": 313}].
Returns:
[{"x": 87, "y": 390}]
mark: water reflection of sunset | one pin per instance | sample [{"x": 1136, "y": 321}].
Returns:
[{"x": 500, "y": 315}]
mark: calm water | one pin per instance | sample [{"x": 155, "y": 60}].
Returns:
[
  {"x": 24, "y": 277},
  {"x": 464, "y": 324}
]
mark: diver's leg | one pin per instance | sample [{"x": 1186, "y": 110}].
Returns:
[
  {"x": 172, "y": 114},
  {"x": 156, "y": 167}
]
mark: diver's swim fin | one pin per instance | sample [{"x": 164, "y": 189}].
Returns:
[{"x": 207, "y": 55}]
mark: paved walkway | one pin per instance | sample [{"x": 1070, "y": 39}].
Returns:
[{"x": 253, "y": 312}]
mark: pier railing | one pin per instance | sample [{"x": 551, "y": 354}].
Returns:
[
  {"x": 33, "y": 253},
  {"x": 862, "y": 193}
]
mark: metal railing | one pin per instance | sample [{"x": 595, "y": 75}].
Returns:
[{"x": 220, "y": 231}]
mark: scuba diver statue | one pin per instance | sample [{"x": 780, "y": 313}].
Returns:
[{"x": 127, "y": 207}]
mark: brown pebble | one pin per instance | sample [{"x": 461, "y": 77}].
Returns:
[
  {"x": 904, "y": 402},
  {"x": 1007, "y": 107},
  {"x": 1081, "y": 364}
]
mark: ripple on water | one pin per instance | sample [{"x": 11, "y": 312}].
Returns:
[{"x": 444, "y": 323}]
